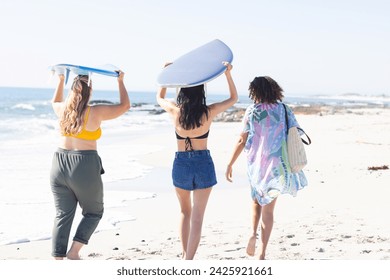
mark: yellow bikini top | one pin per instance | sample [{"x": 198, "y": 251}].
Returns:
[{"x": 86, "y": 134}]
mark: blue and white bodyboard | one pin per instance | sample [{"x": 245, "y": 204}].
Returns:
[
  {"x": 108, "y": 70},
  {"x": 196, "y": 67}
]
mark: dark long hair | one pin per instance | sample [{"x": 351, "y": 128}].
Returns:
[
  {"x": 265, "y": 89},
  {"x": 192, "y": 103}
]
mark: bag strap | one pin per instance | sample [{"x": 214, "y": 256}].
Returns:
[
  {"x": 285, "y": 116},
  {"x": 308, "y": 142}
]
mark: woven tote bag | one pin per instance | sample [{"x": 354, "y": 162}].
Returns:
[{"x": 295, "y": 148}]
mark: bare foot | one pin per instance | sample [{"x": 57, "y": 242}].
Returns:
[
  {"x": 73, "y": 253},
  {"x": 251, "y": 247},
  {"x": 71, "y": 256}
]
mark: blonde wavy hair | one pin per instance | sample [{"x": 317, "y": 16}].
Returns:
[{"x": 76, "y": 104}]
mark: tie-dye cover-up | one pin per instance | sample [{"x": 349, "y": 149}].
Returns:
[{"x": 269, "y": 172}]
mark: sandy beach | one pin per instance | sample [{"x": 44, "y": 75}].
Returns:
[{"x": 341, "y": 215}]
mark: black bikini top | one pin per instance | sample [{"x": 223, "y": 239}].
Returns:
[{"x": 188, "y": 139}]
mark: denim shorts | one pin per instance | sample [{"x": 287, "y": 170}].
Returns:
[{"x": 193, "y": 170}]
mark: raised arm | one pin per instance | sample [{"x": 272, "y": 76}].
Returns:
[
  {"x": 219, "y": 107},
  {"x": 58, "y": 97},
  {"x": 108, "y": 112},
  {"x": 167, "y": 105},
  {"x": 124, "y": 100}
]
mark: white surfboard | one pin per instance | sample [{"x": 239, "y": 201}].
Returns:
[{"x": 196, "y": 67}]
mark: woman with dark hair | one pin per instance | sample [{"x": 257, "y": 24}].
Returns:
[
  {"x": 75, "y": 175},
  {"x": 264, "y": 138},
  {"x": 193, "y": 168}
]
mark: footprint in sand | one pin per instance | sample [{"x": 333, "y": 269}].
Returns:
[
  {"x": 328, "y": 240},
  {"x": 381, "y": 239},
  {"x": 155, "y": 252},
  {"x": 365, "y": 252},
  {"x": 233, "y": 250},
  {"x": 94, "y": 255},
  {"x": 135, "y": 249}
]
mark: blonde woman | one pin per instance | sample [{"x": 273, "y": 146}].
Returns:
[{"x": 75, "y": 175}]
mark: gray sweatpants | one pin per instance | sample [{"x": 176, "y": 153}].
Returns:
[{"x": 75, "y": 177}]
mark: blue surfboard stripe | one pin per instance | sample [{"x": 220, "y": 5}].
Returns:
[
  {"x": 196, "y": 67},
  {"x": 81, "y": 70}
]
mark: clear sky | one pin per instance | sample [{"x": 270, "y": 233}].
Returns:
[{"x": 308, "y": 46}]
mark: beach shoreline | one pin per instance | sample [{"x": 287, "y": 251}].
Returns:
[{"x": 338, "y": 216}]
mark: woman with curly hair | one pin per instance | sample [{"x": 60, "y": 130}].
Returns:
[{"x": 264, "y": 138}]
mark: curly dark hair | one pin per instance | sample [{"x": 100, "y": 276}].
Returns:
[
  {"x": 264, "y": 89},
  {"x": 192, "y": 103}
]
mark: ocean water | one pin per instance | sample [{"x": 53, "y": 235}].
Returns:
[
  {"x": 29, "y": 136},
  {"x": 28, "y": 110}
]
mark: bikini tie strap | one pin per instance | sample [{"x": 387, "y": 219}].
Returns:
[{"x": 188, "y": 144}]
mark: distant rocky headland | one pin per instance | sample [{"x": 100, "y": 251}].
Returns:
[{"x": 235, "y": 114}]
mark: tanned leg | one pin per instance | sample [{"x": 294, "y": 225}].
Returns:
[
  {"x": 200, "y": 198},
  {"x": 256, "y": 214},
  {"x": 185, "y": 217},
  {"x": 267, "y": 222}
]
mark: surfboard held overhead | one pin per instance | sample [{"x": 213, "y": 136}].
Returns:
[
  {"x": 196, "y": 67},
  {"x": 66, "y": 69}
]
